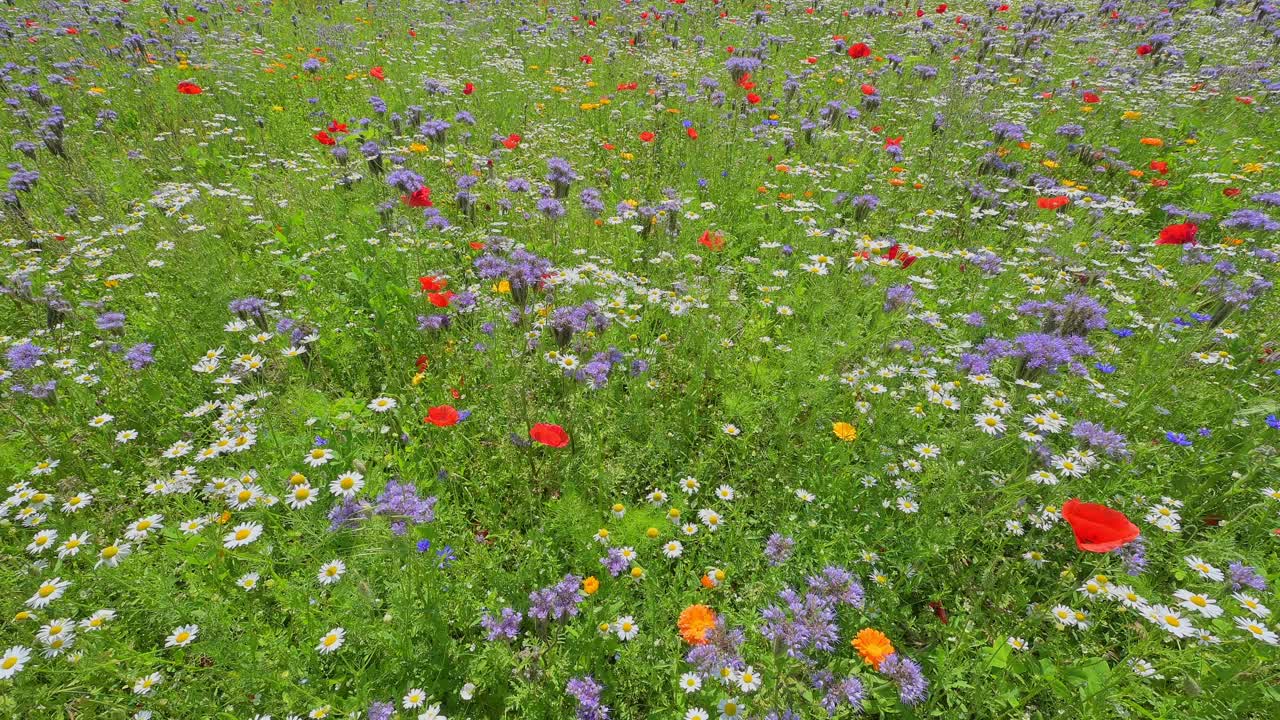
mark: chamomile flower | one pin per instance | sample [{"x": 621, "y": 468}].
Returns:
[
  {"x": 144, "y": 685},
  {"x": 71, "y": 546},
  {"x": 13, "y": 661},
  {"x": 98, "y": 620},
  {"x": 689, "y": 485},
  {"x": 413, "y": 699},
  {"x": 1250, "y": 603},
  {"x": 1171, "y": 621},
  {"x": 317, "y": 457},
  {"x": 989, "y": 423},
  {"x": 48, "y": 592},
  {"x": 347, "y": 484},
  {"x": 112, "y": 554},
  {"x": 672, "y": 549},
  {"x": 626, "y": 628},
  {"x": 182, "y": 636},
  {"x": 690, "y": 682},
  {"x": 75, "y": 502},
  {"x": 382, "y": 404},
  {"x": 242, "y": 535},
  {"x": 248, "y": 581},
  {"x": 731, "y": 708},
  {"x": 42, "y": 541},
  {"x": 1204, "y": 569},
  {"x": 142, "y": 528},
  {"x": 1257, "y": 630},
  {"x": 1199, "y": 603},
  {"x": 331, "y": 572},
  {"x": 331, "y": 641},
  {"x": 1064, "y": 615},
  {"x": 748, "y": 680},
  {"x": 696, "y": 713}
]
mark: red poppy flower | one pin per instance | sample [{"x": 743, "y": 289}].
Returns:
[
  {"x": 1052, "y": 203},
  {"x": 1180, "y": 234},
  {"x": 512, "y": 141},
  {"x": 941, "y": 8},
  {"x": 627, "y": 86},
  {"x": 549, "y": 435},
  {"x": 324, "y": 138},
  {"x": 585, "y": 59},
  {"x": 440, "y": 299},
  {"x": 468, "y": 88},
  {"x": 868, "y": 89},
  {"x": 431, "y": 283},
  {"x": 811, "y": 60},
  {"x": 859, "y": 50},
  {"x": 420, "y": 198},
  {"x": 1244, "y": 99},
  {"x": 902, "y": 256},
  {"x": 693, "y": 134},
  {"x": 337, "y": 127},
  {"x": 646, "y": 136},
  {"x": 893, "y": 141},
  {"x": 377, "y": 74},
  {"x": 753, "y": 98},
  {"x": 421, "y": 364},
  {"x": 73, "y": 31},
  {"x": 714, "y": 241},
  {"x": 189, "y": 88},
  {"x": 1231, "y": 191},
  {"x": 1160, "y": 166},
  {"x": 1098, "y": 528},
  {"x": 1144, "y": 49},
  {"x": 1091, "y": 97},
  {"x": 1159, "y": 182},
  {"x": 442, "y": 416}
]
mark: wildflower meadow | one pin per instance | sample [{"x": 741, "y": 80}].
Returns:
[{"x": 679, "y": 359}]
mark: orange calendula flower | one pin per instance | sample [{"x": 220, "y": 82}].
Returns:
[
  {"x": 695, "y": 622},
  {"x": 590, "y": 585},
  {"x": 873, "y": 646},
  {"x": 844, "y": 431},
  {"x": 1154, "y": 142}
]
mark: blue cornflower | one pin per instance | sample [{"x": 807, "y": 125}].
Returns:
[
  {"x": 424, "y": 545},
  {"x": 1178, "y": 439},
  {"x": 446, "y": 556},
  {"x": 1104, "y": 368},
  {"x": 1273, "y": 422},
  {"x": 1121, "y": 332}
]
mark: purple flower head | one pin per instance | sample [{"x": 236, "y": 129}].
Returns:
[
  {"x": 906, "y": 673},
  {"x": 504, "y": 627},
  {"x": 24, "y": 356},
  {"x": 381, "y": 710},
  {"x": 1244, "y": 576},
  {"x": 778, "y": 548},
  {"x": 140, "y": 356},
  {"x": 557, "y": 602},
  {"x": 587, "y": 692}
]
